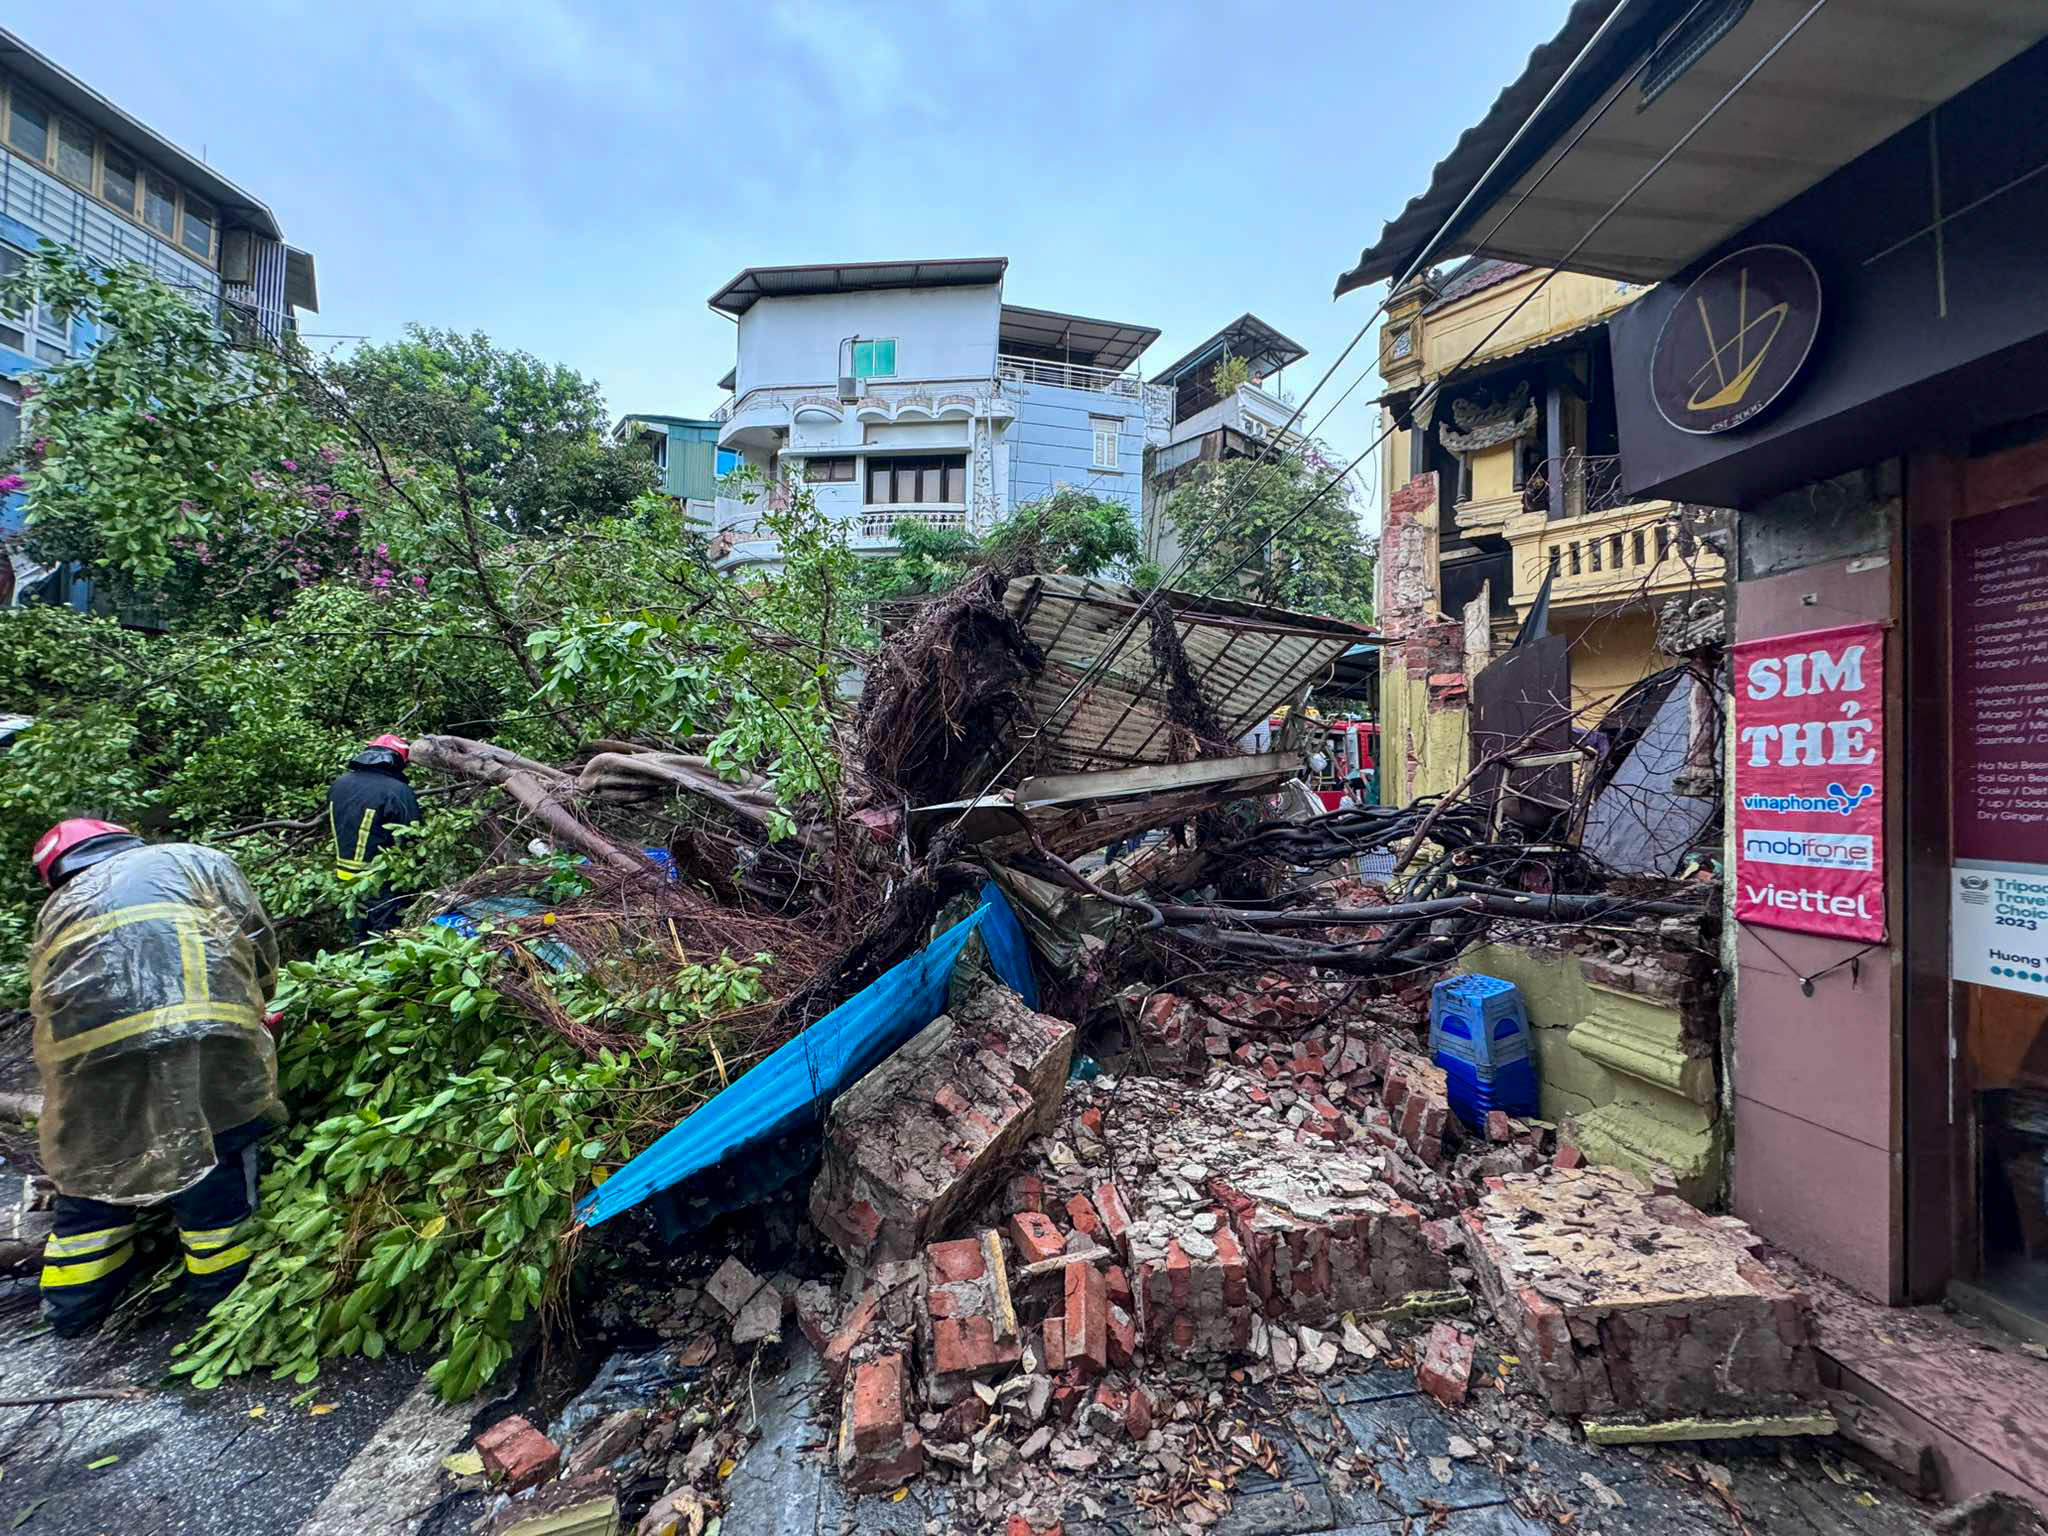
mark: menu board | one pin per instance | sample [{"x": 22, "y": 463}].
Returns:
[
  {"x": 1809, "y": 782},
  {"x": 1998, "y": 930},
  {"x": 2001, "y": 686}
]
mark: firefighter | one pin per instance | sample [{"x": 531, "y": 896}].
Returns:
[
  {"x": 150, "y": 972},
  {"x": 366, "y": 803}
]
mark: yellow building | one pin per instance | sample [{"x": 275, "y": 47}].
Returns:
[{"x": 1501, "y": 471}]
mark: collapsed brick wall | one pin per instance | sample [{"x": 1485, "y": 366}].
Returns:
[{"x": 1622, "y": 1301}]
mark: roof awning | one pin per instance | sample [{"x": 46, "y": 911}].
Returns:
[
  {"x": 1532, "y": 350},
  {"x": 731, "y": 379},
  {"x": 1248, "y": 337},
  {"x": 301, "y": 289},
  {"x": 1107, "y": 344},
  {"x": 1846, "y": 78},
  {"x": 1246, "y": 660},
  {"x": 757, "y": 283}
]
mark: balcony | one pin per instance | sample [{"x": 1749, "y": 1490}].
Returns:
[
  {"x": 1096, "y": 381},
  {"x": 878, "y": 523},
  {"x": 765, "y": 417},
  {"x": 1612, "y": 553}
]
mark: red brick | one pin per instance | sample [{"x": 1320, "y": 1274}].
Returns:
[
  {"x": 964, "y": 1344},
  {"x": 1082, "y": 1215},
  {"x": 1019, "y": 1526},
  {"x": 518, "y": 1455},
  {"x": 878, "y": 1405},
  {"x": 857, "y": 1226},
  {"x": 958, "y": 1260},
  {"x": 1027, "y": 1193},
  {"x": 1180, "y": 1287},
  {"x": 1445, "y": 1372},
  {"x": 1138, "y": 1415},
  {"x": 1054, "y": 1345},
  {"x": 1035, "y": 1237},
  {"x": 1258, "y": 1095},
  {"x": 1325, "y": 1108},
  {"x": 1116, "y": 1216},
  {"x": 951, "y": 1100},
  {"x": 1068, "y": 1395},
  {"x": 1569, "y": 1157},
  {"x": 1230, "y": 1259},
  {"x": 1123, "y": 1337},
  {"x": 1091, "y": 1121},
  {"x": 1498, "y": 1126},
  {"x": 1117, "y": 1286},
  {"x": 1087, "y": 1318},
  {"x": 840, "y": 1348},
  {"x": 1270, "y": 1067}
]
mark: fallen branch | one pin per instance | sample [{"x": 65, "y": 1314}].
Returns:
[{"x": 78, "y": 1395}]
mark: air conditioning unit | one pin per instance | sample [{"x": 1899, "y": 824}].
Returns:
[{"x": 849, "y": 388}]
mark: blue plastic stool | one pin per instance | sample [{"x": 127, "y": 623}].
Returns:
[{"x": 1479, "y": 1035}]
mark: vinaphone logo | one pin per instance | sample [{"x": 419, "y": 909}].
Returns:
[{"x": 1737, "y": 337}]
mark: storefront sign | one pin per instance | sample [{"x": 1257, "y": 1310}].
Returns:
[
  {"x": 1809, "y": 782},
  {"x": 1999, "y": 887},
  {"x": 1736, "y": 339}
]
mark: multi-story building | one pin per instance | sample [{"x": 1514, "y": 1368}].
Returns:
[
  {"x": 77, "y": 171},
  {"x": 1501, "y": 481},
  {"x": 910, "y": 389},
  {"x": 1206, "y": 424},
  {"x": 686, "y": 455}
]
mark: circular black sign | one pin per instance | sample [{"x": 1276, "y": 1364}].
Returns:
[{"x": 1736, "y": 340}]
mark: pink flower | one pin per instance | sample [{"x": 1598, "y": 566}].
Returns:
[
  {"x": 9, "y": 484},
  {"x": 383, "y": 551},
  {"x": 338, "y": 516},
  {"x": 381, "y": 580},
  {"x": 292, "y": 464},
  {"x": 149, "y": 416},
  {"x": 188, "y": 507},
  {"x": 329, "y": 454},
  {"x": 39, "y": 446},
  {"x": 420, "y": 582}
]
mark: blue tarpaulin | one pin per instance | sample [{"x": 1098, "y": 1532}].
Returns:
[{"x": 788, "y": 1090}]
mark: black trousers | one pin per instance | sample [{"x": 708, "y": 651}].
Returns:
[
  {"x": 380, "y": 916},
  {"x": 90, "y": 1257}
]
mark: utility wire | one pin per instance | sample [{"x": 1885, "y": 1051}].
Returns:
[{"x": 1103, "y": 660}]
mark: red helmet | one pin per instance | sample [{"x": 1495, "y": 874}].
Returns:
[
  {"x": 396, "y": 744},
  {"x": 64, "y": 837}
]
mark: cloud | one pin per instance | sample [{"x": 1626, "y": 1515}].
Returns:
[{"x": 854, "y": 53}]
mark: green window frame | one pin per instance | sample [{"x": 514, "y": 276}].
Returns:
[{"x": 875, "y": 359}]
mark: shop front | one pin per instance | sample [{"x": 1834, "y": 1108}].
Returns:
[{"x": 1863, "y": 373}]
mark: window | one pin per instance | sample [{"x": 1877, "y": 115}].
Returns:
[
  {"x": 1105, "y": 440},
  {"x": 117, "y": 180},
  {"x": 940, "y": 481},
  {"x": 875, "y": 359},
  {"x": 657, "y": 449},
  {"x": 37, "y": 330},
  {"x": 28, "y": 126},
  {"x": 198, "y": 235},
  {"x": 10, "y": 420},
  {"x": 74, "y": 153},
  {"x": 726, "y": 461},
  {"x": 159, "y": 205},
  {"x": 828, "y": 471}
]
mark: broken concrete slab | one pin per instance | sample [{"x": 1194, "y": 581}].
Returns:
[
  {"x": 933, "y": 1127},
  {"x": 1626, "y": 1303}
]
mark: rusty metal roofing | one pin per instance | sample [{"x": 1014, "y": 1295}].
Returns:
[{"x": 1247, "y": 659}]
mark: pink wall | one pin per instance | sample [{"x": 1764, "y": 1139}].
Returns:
[{"x": 1818, "y": 1154}]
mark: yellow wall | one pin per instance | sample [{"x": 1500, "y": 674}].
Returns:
[
  {"x": 1569, "y": 299},
  {"x": 1493, "y": 473},
  {"x": 1424, "y": 751},
  {"x": 1609, "y": 654}
]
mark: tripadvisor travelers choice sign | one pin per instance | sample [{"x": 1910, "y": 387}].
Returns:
[
  {"x": 1998, "y": 931},
  {"x": 1738, "y": 336},
  {"x": 1809, "y": 782}
]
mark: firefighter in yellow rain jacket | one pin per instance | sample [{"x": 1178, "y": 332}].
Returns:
[{"x": 150, "y": 972}]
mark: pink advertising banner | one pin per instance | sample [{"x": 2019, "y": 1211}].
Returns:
[{"x": 1809, "y": 782}]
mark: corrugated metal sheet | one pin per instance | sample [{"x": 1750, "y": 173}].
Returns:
[{"x": 1247, "y": 659}]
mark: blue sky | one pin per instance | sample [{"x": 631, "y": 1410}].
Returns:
[{"x": 576, "y": 177}]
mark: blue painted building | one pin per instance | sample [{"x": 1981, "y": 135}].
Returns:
[
  {"x": 77, "y": 171},
  {"x": 912, "y": 392}
]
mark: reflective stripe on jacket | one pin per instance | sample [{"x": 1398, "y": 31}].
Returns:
[{"x": 363, "y": 808}]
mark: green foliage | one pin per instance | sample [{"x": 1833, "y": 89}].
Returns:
[
  {"x": 1229, "y": 374},
  {"x": 423, "y": 1197},
  {"x": 1068, "y": 531},
  {"x": 1244, "y": 523},
  {"x": 528, "y": 437}
]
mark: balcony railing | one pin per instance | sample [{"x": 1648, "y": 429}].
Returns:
[
  {"x": 1100, "y": 381},
  {"x": 880, "y": 522},
  {"x": 1592, "y": 484}
]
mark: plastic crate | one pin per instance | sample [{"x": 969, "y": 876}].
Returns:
[
  {"x": 1480, "y": 1020},
  {"x": 1511, "y": 1089}
]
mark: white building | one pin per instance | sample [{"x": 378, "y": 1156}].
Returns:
[{"x": 911, "y": 390}]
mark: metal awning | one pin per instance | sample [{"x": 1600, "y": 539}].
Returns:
[
  {"x": 1248, "y": 337},
  {"x": 756, "y": 283},
  {"x": 731, "y": 379},
  {"x": 1529, "y": 351},
  {"x": 301, "y": 288},
  {"x": 1246, "y": 658},
  {"x": 1850, "y": 76},
  {"x": 1047, "y": 333}
]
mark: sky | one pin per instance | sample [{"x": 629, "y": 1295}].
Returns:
[{"x": 576, "y": 177}]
